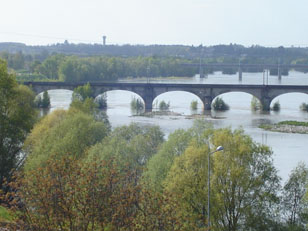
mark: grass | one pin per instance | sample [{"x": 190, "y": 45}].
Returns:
[
  {"x": 294, "y": 123},
  {"x": 265, "y": 126}
]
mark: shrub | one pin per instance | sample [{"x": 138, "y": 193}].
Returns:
[
  {"x": 136, "y": 104},
  {"x": 304, "y": 107},
  {"x": 163, "y": 106},
  {"x": 276, "y": 106},
  {"x": 101, "y": 101},
  {"x": 42, "y": 102},
  {"x": 194, "y": 105},
  {"x": 255, "y": 104},
  {"x": 220, "y": 105}
]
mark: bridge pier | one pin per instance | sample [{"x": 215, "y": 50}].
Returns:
[
  {"x": 148, "y": 105},
  {"x": 240, "y": 74},
  {"x": 207, "y": 103},
  {"x": 201, "y": 71},
  {"x": 148, "y": 97},
  {"x": 266, "y": 104},
  {"x": 279, "y": 73}
]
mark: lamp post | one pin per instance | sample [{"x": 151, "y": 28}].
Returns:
[{"x": 219, "y": 148}]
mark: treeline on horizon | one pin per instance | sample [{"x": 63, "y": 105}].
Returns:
[{"x": 86, "y": 62}]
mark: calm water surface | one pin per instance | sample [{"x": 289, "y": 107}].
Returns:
[{"x": 289, "y": 149}]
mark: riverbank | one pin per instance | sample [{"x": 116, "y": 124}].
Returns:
[{"x": 287, "y": 127}]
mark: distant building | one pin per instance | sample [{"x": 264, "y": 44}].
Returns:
[{"x": 104, "y": 40}]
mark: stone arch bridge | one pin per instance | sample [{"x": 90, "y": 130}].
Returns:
[{"x": 206, "y": 92}]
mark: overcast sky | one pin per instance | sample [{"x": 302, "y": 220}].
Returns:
[{"x": 188, "y": 22}]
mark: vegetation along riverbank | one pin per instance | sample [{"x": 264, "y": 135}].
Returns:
[{"x": 287, "y": 127}]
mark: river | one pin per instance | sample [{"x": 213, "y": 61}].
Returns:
[{"x": 289, "y": 149}]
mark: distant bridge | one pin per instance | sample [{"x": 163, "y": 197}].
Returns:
[
  {"x": 240, "y": 66},
  {"x": 206, "y": 92}
]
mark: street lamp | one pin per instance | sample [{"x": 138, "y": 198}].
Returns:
[{"x": 219, "y": 148}]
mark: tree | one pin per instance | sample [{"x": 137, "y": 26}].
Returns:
[
  {"x": 45, "y": 100},
  {"x": 50, "y": 66},
  {"x": 220, "y": 105},
  {"x": 83, "y": 100},
  {"x": 244, "y": 182},
  {"x": 186, "y": 180},
  {"x": 131, "y": 146},
  {"x": 81, "y": 93},
  {"x": 60, "y": 133},
  {"x": 294, "y": 203},
  {"x": 69, "y": 194},
  {"x": 42, "y": 103},
  {"x": 17, "y": 116},
  {"x": 159, "y": 165}
]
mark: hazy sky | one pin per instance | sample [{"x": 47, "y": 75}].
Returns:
[{"x": 189, "y": 22}]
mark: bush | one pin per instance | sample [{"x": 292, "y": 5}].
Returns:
[
  {"x": 220, "y": 105},
  {"x": 102, "y": 101},
  {"x": 255, "y": 104},
  {"x": 42, "y": 102},
  {"x": 304, "y": 107},
  {"x": 136, "y": 104},
  {"x": 276, "y": 106},
  {"x": 194, "y": 105},
  {"x": 163, "y": 106}
]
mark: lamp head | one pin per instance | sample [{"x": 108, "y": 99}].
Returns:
[{"x": 219, "y": 148}]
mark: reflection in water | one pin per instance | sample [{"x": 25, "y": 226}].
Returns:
[
  {"x": 264, "y": 138},
  {"x": 288, "y": 149}
]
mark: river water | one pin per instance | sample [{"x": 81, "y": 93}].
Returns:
[{"x": 289, "y": 149}]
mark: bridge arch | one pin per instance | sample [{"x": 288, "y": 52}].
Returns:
[
  {"x": 61, "y": 97},
  {"x": 240, "y": 99},
  {"x": 292, "y": 99},
  {"x": 120, "y": 98},
  {"x": 178, "y": 99}
]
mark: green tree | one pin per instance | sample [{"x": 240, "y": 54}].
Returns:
[
  {"x": 81, "y": 93},
  {"x": 50, "y": 66},
  {"x": 255, "y": 104},
  {"x": 83, "y": 100},
  {"x": 42, "y": 103},
  {"x": 131, "y": 145},
  {"x": 45, "y": 100},
  {"x": 220, "y": 105},
  {"x": 159, "y": 165},
  {"x": 294, "y": 203},
  {"x": 61, "y": 133},
  {"x": 244, "y": 182},
  {"x": 17, "y": 116},
  {"x": 186, "y": 180}
]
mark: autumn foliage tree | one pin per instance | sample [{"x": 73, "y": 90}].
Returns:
[{"x": 69, "y": 194}]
